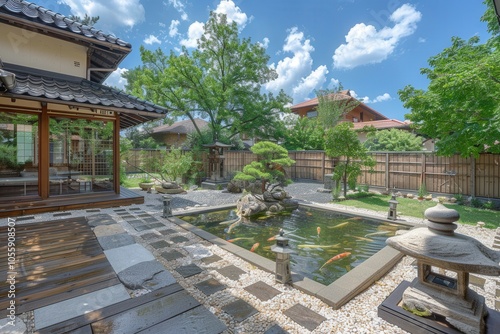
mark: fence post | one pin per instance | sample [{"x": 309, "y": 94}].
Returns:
[
  {"x": 473, "y": 177},
  {"x": 387, "y": 171}
]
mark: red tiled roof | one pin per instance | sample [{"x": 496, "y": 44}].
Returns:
[{"x": 383, "y": 124}]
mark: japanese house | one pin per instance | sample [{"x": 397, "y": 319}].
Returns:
[{"x": 59, "y": 125}]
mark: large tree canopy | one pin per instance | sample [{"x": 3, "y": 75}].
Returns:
[
  {"x": 461, "y": 106},
  {"x": 219, "y": 81}
]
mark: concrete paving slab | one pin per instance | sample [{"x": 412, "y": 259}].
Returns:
[
  {"x": 12, "y": 326},
  {"x": 262, "y": 291},
  {"x": 104, "y": 230},
  {"x": 126, "y": 256},
  {"x": 210, "y": 286},
  {"x": 115, "y": 241},
  {"x": 304, "y": 316},
  {"x": 149, "y": 275},
  {"x": 276, "y": 329},
  {"x": 100, "y": 219},
  {"x": 73, "y": 307},
  {"x": 240, "y": 310}
]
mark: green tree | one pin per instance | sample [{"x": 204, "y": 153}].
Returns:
[
  {"x": 392, "y": 140},
  {"x": 171, "y": 164},
  {"x": 461, "y": 106},
  {"x": 304, "y": 134},
  {"x": 219, "y": 81},
  {"x": 342, "y": 142},
  {"x": 333, "y": 106},
  {"x": 269, "y": 167}
]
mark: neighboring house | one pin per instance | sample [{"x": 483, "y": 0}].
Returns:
[
  {"x": 176, "y": 134},
  {"x": 59, "y": 126},
  {"x": 361, "y": 116},
  {"x": 361, "y": 113}
]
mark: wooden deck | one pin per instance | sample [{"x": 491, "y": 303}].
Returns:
[
  {"x": 55, "y": 260},
  {"x": 26, "y": 206}
]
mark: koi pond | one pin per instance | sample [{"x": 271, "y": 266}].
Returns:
[{"x": 327, "y": 244}]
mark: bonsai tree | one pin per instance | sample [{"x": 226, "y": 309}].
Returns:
[{"x": 269, "y": 167}]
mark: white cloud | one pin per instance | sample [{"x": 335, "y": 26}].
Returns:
[
  {"x": 334, "y": 83},
  {"x": 113, "y": 14},
  {"x": 116, "y": 80},
  {"x": 195, "y": 31},
  {"x": 295, "y": 74},
  {"x": 232, "y": 12},
  {"x": 365, "y": 45},
  {"x": 174, "y": 28},
  {"x": 179, "y": 6},
  {"x": 151, "y": 39},
  {"x": 264, "y": 43},
  {"x": 366, "y": 99}
]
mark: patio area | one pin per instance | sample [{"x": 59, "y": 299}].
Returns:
[{"x": 217, "y": 287}]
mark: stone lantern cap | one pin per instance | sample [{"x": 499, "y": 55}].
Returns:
[{"x": 438, "y": 245}]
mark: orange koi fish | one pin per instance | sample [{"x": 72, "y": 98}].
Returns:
[
  {"x": 335, "y": 258},
  {"x": 318, "y": 229},
  {"x": 272, "y": 238},
  {"x": 254, "y": 247}
]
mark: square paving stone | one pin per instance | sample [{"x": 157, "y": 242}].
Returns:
[
  {"x": 142, "y": 215},
  {"x": 134, "y": 222},
  {"x": 211, "y": 259},
  {"x": 262, "y": 291},
  {"x": 156, "y": 225},
  {"x": 159, "y": 244},
  {"x": 231, "y": 272},
  {"x": 25, "y": 218},
  {"x": 140, "y": 228},
  {"x": 151, "y": 220},
  {"x": 115, "y": 240},
  {"x": 134, "y": 209},
  {"x": 276, "y": 329},
  {"x": 61, "y": 214},
  {"x": 119, "y": 210},
  {"x": 304, "y": 316},
  {"x": 189, "y": 270},
  {"x": 93, "y": 210},
  {"x": 179, "y": 239},
  {"x": 210, "y": 286},
  {"x": 171, "y": 255},
  {"x": 240, "y": 310},
  {"x": 149, "y": 236},
  {"x": 127, "y": 216},
  {"x": 168, "y": 231}
]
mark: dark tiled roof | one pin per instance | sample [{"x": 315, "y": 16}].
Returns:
[
  {"x": 84, "y": 92},
  {"x": 183, "y": 127},
  {"x": 43, "y": 15},
  {"x": 37, "y": 18}
]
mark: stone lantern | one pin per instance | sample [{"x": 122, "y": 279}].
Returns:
[
  {"x": 167, "y": 209},
  {"x": 283, "y": 252},
  {"x": 215, "y": 165},
  {"x": 393, "y": 206},
  {"x": 445, "y": 292}
]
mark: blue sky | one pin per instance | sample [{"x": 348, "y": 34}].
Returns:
[{"x": 372, "y": 47}]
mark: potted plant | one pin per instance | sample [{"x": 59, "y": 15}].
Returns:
[{"x": 146, "y": 184}]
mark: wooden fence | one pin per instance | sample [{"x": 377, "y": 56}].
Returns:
[{"x": 401, "y": 171}]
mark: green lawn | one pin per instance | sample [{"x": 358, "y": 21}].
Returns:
[{"x": 415, "y": 208}]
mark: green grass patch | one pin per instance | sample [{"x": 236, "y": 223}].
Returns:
[{"x": 415, "y": 208}]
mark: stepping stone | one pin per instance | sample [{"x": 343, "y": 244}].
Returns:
[
  {"x": 100, "y": 219},
  {"x": 210, "y": 286},
  {"x": 150, "y": 236},
  {"x": 304, "y": 316},
  {"x": 135, "y": 319},
  {"x": 120, "y": 210},
  {"x": 171, "y": 255},
  {"x": 127, "y": 216},
  {"x": 196, "y": 320},
  {"x": 124, "y": 257},
  {"x": 140, "y": 228},
  {"x": 240, "y": 310},
  {"x": 168, "y": 231},
  {"x": 105, "y": 230},
  {"x": 151, "y": 220},
  {"x": 149, "y": 275},
  {"x": 262, "y": 291},
  {"x": 211, "y": 259},
  {"x": 135, "y": 222},
  {"x": 116, "y": 240},
  {"x": 73, "y": 307},
  {"x": 134, "y": 209},
  {"x": 155, "y": 225},
  {"x": 276, "y": 329},
  {"x": 159, "y": 244},
  {"x": 232, "y": 272},
  {"x": 144, "y": 215},
  {"x": 61, "y": 214},
  {"x": 6, "y": 326},
  {"x": 189, "y": 270},
  {"x": 179, "y": 239},
  {"x": 93, "y": 210}
]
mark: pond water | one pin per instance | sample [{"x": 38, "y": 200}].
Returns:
[{"x": 316, "y": 236}]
